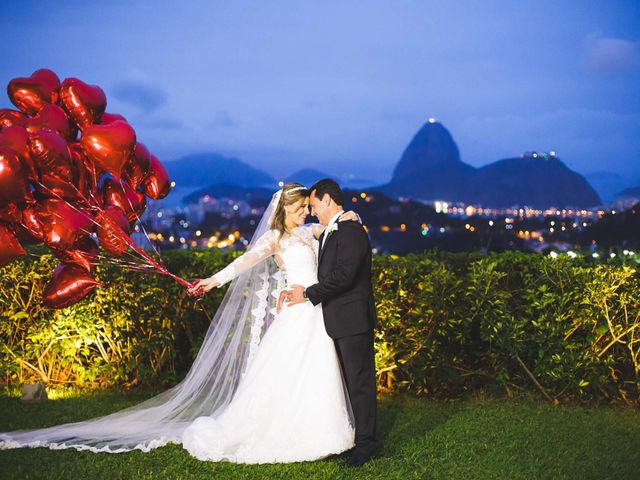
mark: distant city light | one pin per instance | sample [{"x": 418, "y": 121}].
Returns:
[
  {"x": 432, "y": 120},
  {"x": 173, "y": 184},
  {"x": 281, "y": 183}
]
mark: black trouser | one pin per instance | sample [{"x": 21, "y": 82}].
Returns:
[{"x": 357, "y": 360}]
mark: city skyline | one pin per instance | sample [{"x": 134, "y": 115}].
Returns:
[{"x": 343, "y": 89}]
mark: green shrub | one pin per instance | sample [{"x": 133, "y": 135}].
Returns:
[{"x": 449, "y": 324}]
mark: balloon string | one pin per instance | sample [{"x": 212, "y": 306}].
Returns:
[
  {"x": 139, "y": 222},
  {"x": 96, "y": 205},
  {"x": 159, "y": 268}
]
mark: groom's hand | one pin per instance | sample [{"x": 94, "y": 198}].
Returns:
[
  {"x": 281, "y": 299},
  {"x": 294, "y": 295}
]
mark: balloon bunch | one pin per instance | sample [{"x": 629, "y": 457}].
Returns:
[{"x": 70, "y": 173}]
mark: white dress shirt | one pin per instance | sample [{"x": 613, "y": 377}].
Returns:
[{"x": 333, "y": 220}]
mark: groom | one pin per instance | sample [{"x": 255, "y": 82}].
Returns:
[{"x": 344, "y": 289}]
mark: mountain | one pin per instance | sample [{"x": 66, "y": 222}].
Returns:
[
  {"x": 630, "y": 192},
  {"x": 308, "y": 176},
  {"x": 431, "y": 166},
  {"x": 539, "y": 181},
  {"x": 211, "y": 168},
  {"x": 255, "y": 196},
  {"x": 626, "y": 198},
  {"x": 608, "y": 184},
  {"x": 357, "y": 182},
  {"x": 431, "y": 169}
]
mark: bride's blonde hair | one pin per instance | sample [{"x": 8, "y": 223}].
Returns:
[{"x": 291, "y": 193}]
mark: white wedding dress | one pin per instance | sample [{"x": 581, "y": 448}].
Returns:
[
  {"x": 290, "y": 404},
  {"x": 264, "y": 387}
]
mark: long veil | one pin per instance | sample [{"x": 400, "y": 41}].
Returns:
[{"x": 229, "y": 345}]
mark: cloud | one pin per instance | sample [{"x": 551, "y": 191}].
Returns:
[
  {"x": 161, "y": 123},
  {"x": 222, "y": 118},
  {"x": 610, "y": 55},
  {"x": 143, "y": 96}
]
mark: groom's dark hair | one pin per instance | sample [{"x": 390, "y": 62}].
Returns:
[{"x": 329, "y": 187}]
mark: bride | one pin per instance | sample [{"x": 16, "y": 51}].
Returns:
[{"x": 266, "y": 385}]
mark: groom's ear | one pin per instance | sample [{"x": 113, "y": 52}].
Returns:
[{"x": 326, "y": 199}]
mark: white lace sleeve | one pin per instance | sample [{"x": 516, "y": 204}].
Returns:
[{"x": 264, "y": 247}]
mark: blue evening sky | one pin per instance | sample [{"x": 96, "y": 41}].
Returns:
[{"x": 342, "y": 86}]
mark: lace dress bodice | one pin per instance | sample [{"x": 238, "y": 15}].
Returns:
[{"x": 295, "y": 254}]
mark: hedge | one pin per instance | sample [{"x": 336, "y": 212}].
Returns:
[{"x": 565, "y": 329}]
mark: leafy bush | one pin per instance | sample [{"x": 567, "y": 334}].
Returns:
[
  {"x": 450, "y": 323},
  {"x": 568, "y": 329},
  {"x": 136, "y": 328}
]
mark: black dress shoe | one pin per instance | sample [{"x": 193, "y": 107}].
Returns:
[{"x": 358, "y": 460}]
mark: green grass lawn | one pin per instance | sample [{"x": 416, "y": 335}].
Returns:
[{"x": 466, "y": 439}]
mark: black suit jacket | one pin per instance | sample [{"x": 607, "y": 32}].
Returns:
[{"x": 344, "y": 282}]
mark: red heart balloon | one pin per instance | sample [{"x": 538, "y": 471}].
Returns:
[
  {"x": 84, "y": 253},
  {"x": 31, "y": 225},
  {"x": 50, "y": 153},
  {"x": 10, "y": 248},
  {"x": 32, "y": 93},
  {"x": 12, "y": 117},
  {"x": 10, "y": 213},
  {"x": 62, "y": 224},
  {"x": 138, "y": 166},
  {"x": 85, "y": 103},
  {"x": 130, "y": 201},
  {"x": 109, "y": 146},
  {"x": 53, "y": 161},
  {"x": 54, "y": 118},
  {"x": 113, "y": 230},
  {"x": 156, "y": 184},
  {"x": 87, "y": 173},
  {"x": 69, "y": 284},
  {"x": 17, "y": 139},
  {"x": 14, "y": 186},
  {"x": 108, "y": 118}
]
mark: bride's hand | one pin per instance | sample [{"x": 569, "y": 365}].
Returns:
[
  {"x": 201, "y": 286},
  {"x": 350, "y": 215}
]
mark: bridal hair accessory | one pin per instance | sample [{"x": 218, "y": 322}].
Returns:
[
  {"x": 276, "y": 199},
  {"x": 295, "y": 189}
]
